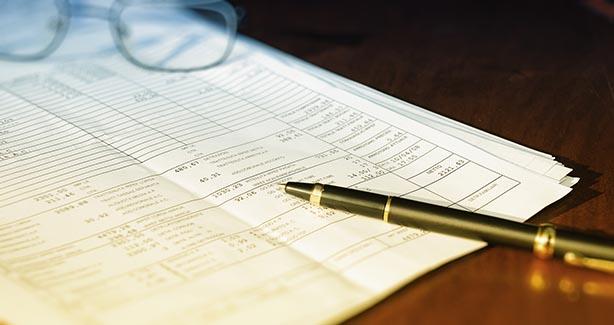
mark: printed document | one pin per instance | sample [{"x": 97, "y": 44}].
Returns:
[{"x": 137, "y": 197}]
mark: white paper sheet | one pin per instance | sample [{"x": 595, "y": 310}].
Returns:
[{"x": 134, "y": 197}]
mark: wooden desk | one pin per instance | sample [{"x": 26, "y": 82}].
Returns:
[{"x": 540, "y": 74}]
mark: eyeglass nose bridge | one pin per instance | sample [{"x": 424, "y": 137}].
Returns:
[
  {"x": 122, "y": 31},
  {"x": 91, "y": 11}
]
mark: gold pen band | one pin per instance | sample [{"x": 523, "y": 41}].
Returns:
[
  {"x": 591, "y": 263},
  {"x": 316, "y": 194},
  {"x": 387, "y": 209},
  {"x": 543, "y": 247},
  {"x": 543, "y": 243}
]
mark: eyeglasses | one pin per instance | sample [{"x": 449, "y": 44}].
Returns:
[{"x": 197, "y": 34}]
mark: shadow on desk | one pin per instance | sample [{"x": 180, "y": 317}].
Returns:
[{"x": 582, "y": 192}]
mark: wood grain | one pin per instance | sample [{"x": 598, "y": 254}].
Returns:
[{"x": 540, "y": 73}]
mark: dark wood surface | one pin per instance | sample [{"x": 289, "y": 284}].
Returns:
[{"x": 540, "y": 73}]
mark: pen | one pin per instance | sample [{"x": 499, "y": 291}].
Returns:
[{"x": 575, "y": 248}]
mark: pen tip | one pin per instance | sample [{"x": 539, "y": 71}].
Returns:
[{"x": 282, "y": 185}]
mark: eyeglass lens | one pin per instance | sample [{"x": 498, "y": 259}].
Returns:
[
  {"x": 28, "y": 28},
  {"x": 174, "y": 38}
]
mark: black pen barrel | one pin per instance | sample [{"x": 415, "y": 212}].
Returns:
[
  {"x": 449, "y": 221},
  {"x": 584, "y": 244},
  {"x": 461, "y": 223},
  {"x": 353, "y": 201},
  {"x": 494, "y": 230},
  {"x": 417, "y": 214},
  {"x": 428, "y": 216}
]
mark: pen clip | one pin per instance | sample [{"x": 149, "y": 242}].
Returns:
[{"x": 576, "y": 259}]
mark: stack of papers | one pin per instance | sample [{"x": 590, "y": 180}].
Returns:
[
  {"x": 533, "y": 160},
  {"x": 137, "y": 197}
]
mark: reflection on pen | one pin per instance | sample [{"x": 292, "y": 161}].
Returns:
[{"x": 540, "y": 279}]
